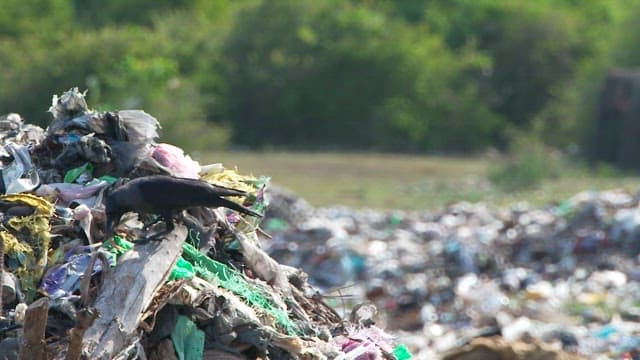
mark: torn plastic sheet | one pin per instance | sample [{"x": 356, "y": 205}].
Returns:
[
  {"x": 71, "y": 112},
  {"x": 20, "y": 175},
  {"x": 128, "y": 156},
  {"x": 141, "y": 128},
  {"x": 182, "y": 270},
  {"x": 63, "y": 280},
  {"x": 81, "y": 174},
  {"x": 69, "y": 192},
  {"x": 116, "y": 247},
  {"x": 174, "y": 158},
  {"x": 365, "y": 343}
]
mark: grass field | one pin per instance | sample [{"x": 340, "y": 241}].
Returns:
[{"x": 401, "y": 181}]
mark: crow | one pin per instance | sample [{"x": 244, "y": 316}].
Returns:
[{"x": 165, "y": 195}]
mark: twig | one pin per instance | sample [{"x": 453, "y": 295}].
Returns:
[{"x": 84, "y": 319}]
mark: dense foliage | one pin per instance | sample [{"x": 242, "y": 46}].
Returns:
[{"x": 418, "y": 76}]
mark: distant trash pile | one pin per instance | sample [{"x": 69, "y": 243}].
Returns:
[
  {"x": 472, "y": 282},
  {"x": 202, "y": 290}
]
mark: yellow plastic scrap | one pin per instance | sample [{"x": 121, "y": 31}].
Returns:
[
  {"x": 42, "y": 206},
  {"x": 34, "y": 247},
  {"x": 12, "y": 246},
  {"x": 231, "y": 179}
]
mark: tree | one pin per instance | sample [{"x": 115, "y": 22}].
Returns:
[{"x": 318, "y": 74}]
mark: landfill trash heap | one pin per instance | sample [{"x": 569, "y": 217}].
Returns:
[
  {"x": 201, "y": 288},
  {"x": 474, "y": 282}
]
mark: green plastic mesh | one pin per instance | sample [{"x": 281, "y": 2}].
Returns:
[{"x": 232, "y": 280}]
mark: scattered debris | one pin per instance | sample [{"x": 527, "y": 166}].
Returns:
[
  {"x": 467, "y": 282},
  {"x": 198, "y": 286},
  {"x": 565, "y": 276}
]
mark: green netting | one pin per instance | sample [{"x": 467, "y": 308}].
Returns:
[
  {"x": 193, "y": 238},
  {"x": 193, "y": 262},
  {"x": 215, "y": 271}
]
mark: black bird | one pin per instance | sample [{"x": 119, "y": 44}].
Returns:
[{"x": 165, "y": 195}]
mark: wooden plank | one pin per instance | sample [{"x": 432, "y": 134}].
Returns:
[
  {"x": 127, "y": 291},
  {"x": 33, "y": 346}
]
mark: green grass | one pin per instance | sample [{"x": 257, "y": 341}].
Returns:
[{"x": 404, "y": 181}]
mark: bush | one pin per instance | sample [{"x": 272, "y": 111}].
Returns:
[
  {"x": 529, "y": 163},
  {"x": 123, "y": 68}
]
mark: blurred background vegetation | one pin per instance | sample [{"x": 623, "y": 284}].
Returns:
[{"x": 414, "y": 76}]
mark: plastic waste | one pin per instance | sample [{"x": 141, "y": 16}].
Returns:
[
  {"x": 20, "y": 175},
  {"x": 173, "y": 158},
  {"x": 67, "y": 193},
  {"x": 182, "y": 270},
  {"x": 86, "y": 148},
  {"x": 188, "y": 340},
  {"x": 237, "y": 297},
  {"x": 62, "y": 280},
  {"x": 67, "y": 106},
  {"x": 26, "y": 240},
  {"x": 10, "y": 289},
  {"x": 140, "y": 127},
  {"x": 116, "y": 247},
  {"x": 254, "y": 294},
  {"x": 401, "y": 352},
  {"x": 364, "y": 343},
  {"x": 81, "y": 174}
]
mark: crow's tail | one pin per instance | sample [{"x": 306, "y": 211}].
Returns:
[{"x": 237, "y": 207}]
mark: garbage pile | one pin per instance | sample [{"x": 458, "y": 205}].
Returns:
[
  {"x": 200, "y": 289},
  {"x": 472, "y": 282}
]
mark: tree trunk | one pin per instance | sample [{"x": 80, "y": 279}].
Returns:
[{"x": 617, "y": 132}]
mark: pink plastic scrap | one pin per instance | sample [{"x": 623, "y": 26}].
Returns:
[
  {"x": 173, "y": 158},
  {"x": 366, "y": 343}
]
